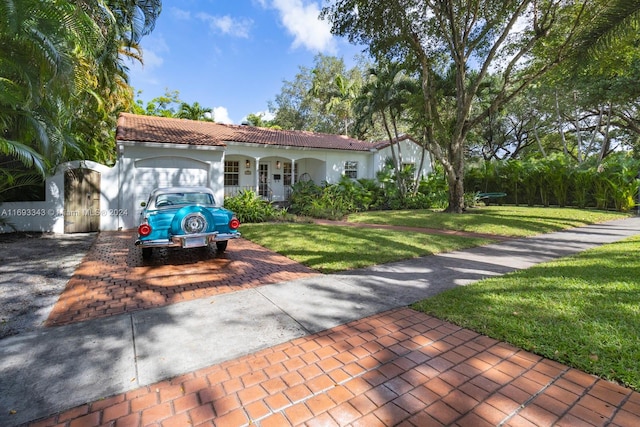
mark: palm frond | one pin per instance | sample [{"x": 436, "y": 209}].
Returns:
[
  {"x": 25, "y": 154},
  {"x": 619, "y": 20}
]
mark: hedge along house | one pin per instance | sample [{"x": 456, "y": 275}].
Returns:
[{"x": 161, "y": 152}]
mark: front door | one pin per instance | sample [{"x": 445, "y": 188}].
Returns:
[
  {"x": 81, "y": 201},
  {"x": 263, "y": 187}
]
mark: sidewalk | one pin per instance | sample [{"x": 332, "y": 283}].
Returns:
[{"x": 324, "y": 350}]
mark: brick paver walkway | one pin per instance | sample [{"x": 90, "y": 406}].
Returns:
[
  {"x": 399, "y": 368},
  {"x": 114, "y": 279}
]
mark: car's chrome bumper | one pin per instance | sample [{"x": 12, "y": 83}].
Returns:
[{"x": 188, "y": 240}]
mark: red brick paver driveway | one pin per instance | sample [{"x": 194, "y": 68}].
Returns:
[{"x": 114, "y": 279}]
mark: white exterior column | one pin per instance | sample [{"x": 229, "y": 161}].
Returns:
[{"x": 256, "y": 173}]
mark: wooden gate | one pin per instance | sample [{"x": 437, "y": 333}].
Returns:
[{"x": 81, "y": 201}]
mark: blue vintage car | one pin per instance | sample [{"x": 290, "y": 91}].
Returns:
[{"x": 185, "y": 217}]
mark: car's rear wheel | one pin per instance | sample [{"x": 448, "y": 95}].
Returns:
[
  {"x": 221, "y": 246},
  {"x": 147, "y": 252}
]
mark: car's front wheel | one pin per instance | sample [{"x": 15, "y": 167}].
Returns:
[{"x": 221, "y": 246}]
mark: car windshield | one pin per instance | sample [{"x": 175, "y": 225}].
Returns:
[{"x": 173, "y": 199}]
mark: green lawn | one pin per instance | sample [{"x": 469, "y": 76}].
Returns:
[
  {"x": 330, "y": 248},
  {"x": 583, "y": 311},
  {"x": 501, "y": 220}
]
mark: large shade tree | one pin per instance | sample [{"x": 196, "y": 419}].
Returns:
[
  {"x": 516, "y": 41},
  {"x": 601, "y": 81}
]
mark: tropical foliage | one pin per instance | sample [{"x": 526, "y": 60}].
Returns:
[
  {"x": 450, "y": 41},
  {"x": 170, "y": 105},
  {"x": 249, "y": 207},
  {"x": 319, "y": 99},
  {"x": 63, "y": 79},
  {"x": 560, "y": 180}
]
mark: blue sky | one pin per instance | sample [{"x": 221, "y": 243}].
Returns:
[{"x": 233, "y": 56}]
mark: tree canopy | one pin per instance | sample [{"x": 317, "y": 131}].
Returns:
[
  {"x": 462, "y": 44},
  {"x": 318, "y": 99}
]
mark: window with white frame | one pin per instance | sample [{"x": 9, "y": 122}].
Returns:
[
  {"x": 351, "y": 170},
  {"x": 231, "y": 173},
  {"x": 286, "y": 172}
]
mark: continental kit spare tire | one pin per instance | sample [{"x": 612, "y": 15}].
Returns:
[{"x": 192, "y": 220}]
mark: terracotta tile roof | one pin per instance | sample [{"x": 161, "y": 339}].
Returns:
[{"x": 132, "y": 127}]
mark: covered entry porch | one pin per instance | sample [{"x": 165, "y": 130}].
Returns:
[{"x": 270, "y": 177}]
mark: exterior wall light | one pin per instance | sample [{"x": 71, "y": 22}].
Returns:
[
  {"x": 247, "y": 164},
  {"x": 278, "y": 164}
]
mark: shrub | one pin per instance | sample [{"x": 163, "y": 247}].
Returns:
[
  {"x": 303, "y": 193},
  {"x": 330, "y": 201},
  {"x": 558, "y": 179},
  {"x": 436, "y": 190},
  {"x": 249, "y": 207}
]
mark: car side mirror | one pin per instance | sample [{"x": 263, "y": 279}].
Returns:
[{"x": 143, "y": 204}]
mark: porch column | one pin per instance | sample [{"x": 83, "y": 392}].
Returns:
[
  {"x": 256, "y": 173},
  {"x": 293, "y": 171}
]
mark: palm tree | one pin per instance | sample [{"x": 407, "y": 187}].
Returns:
[
  {"x": 384, "y": 96},
  {"x": 195, "y": 112},
  {"x": 62, "y": 79},
  {"x": 37, "y": 71},
  {"x": 342, "y": 99}
]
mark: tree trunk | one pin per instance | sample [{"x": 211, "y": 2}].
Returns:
[
  {"x": 455, "y": 177},
  {"x": 456, "y": 193},
  {"x": 418, "y": 177},
  {"x": 560, "y": 130},
  {"x": 578, "y": 128},
  {"x": 604, "y": 150},
  {"x": 389, "y": 135},
  {"x": 540, "y": 147},
  {"x": 400, "y": 178}
]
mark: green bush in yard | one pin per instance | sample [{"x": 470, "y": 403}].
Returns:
[
  {"x": 249, "y": 207},
  {"x": 303, "y": 193},
  {"x": 330, "y": 201}
]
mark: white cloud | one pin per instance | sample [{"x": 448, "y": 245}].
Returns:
[
  {"x": 304, "y": 24},
  {"x": 238, "y": 27},
  {"x": 266, "y": 115},
  {"x": 154, "y": 47},
  {"x": 221, "y": 115},
  {"x": 184, "y": 15},
  {"x": 151, "y": 60}
]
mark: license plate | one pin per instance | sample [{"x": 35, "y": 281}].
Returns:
[{"x": 194, "y": 242}]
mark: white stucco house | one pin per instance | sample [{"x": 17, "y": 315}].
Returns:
[{"x": 156, "y": 152}]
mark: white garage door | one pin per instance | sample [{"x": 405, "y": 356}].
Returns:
[{"x": 167, "y": 172}]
